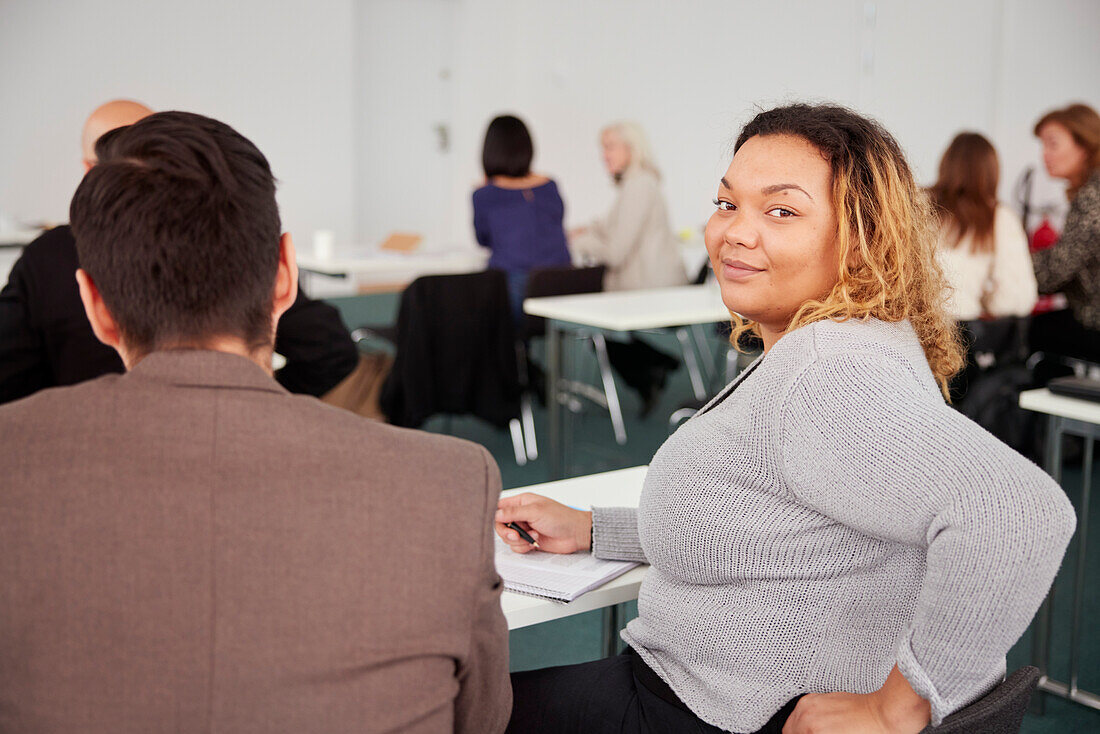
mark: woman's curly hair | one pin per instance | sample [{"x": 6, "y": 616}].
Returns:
[{"x": 886, "y": 235}]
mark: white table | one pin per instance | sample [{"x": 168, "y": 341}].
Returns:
[
  {"x": 615, "y": 312},
  {"x": 379, "y": 266},
  {"x": 18, "y": 238},
  {"x": 1079, "y": 418},
  {"x": 626, "y": 311},
  {"x": 620, "y": 488}
]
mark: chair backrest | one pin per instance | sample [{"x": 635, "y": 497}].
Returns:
[
  {"x": 703, "y": 274},
  {"x": 1001, "y": 711},
  {"x": 1005, "y": 338},
  {"x": 455, "y": 351},
  {"x": 543, "y": 282}
]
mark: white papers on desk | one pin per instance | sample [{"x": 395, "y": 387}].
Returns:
[{"x": 555, "y": 576}]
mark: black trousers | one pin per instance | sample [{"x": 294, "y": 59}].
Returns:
[
  {"x": 616, "y": 695},
  {"x": 642, "y": 366}
]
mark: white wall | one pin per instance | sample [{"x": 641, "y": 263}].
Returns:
[
  {"x": 692, "y": 73},
  {"x": 279, "y": 71},
  {"x": 687, "y": 72},
  {"x": 297, "y": 77},
  {"x": 1050, "y": 57},
  {"x": 404, "y": 110}
]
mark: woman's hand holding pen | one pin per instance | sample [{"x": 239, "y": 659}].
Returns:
[{"x": 557, "y": 528}]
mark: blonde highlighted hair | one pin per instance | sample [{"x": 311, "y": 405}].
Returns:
[{"x": 886, "y": 234}]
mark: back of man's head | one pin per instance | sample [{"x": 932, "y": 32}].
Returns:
[{"x": 178, "y": 228}]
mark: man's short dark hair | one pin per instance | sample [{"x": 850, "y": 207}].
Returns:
[
  {"x": 508, "y": 149},
  {"x": 177, "y": 226}
]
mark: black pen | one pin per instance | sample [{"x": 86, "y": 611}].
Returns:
[{"x": 523, "y": 534}]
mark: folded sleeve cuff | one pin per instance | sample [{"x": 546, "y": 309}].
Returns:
[
  {"x": 615, "y": 534},
  {"x": 921, "y": 683}
]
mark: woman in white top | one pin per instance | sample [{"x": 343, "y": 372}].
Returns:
[
  {"x": 982, "y": 245},
  {"x": 982, "y": 249}
]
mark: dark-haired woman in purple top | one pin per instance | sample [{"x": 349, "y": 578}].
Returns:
[{"x": 517, "y": 214}]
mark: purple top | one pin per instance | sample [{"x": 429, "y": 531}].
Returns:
[{"x": 522, "y": 227}]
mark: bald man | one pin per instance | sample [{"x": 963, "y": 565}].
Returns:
[
  {"x": 46, "y": 340},
  {"x": 108, "y": 116}
]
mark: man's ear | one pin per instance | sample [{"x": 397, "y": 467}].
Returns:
[
  {"x": 103, "y": 323},
  {"x": 286, "y": 278}
]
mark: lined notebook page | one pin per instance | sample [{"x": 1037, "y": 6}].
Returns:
[{"x": 552, "y": 575}]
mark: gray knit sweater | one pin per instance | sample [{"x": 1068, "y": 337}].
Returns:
[{"x": 830, "y": 517}]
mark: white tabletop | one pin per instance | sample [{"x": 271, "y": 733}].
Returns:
[
  {"x": 620, "y": 488},
  {"x": 410, "y": 265},
  {"x": 1044, "y": 401},
  {"x": 18, "y": 237},
  {"x": 633, "y": 310}
]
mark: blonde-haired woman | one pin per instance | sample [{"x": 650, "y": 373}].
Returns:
[
  {"x": 634, "y": 240},
  {"x": 1071, "y": 151},
  {"x": 833, "y": 548},
  {"x": 636, "y": 244}
]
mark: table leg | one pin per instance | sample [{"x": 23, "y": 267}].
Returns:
[
  {"x": 571, "y": 354},
  {"x": 1079, "y": 582},
  {"x": 695, "y": 373},
  {"x": 612, "y": 623},
  {"x": 553, "y": 405},
  {"x": 1040, "y": 645},
  {"x": 599, "y": 342}
]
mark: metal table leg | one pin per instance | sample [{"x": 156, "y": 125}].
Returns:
[
  {"x": 1040, "y": 645},
  {"x": 599, "y": 343},
  {"x": 694, "y": 373},
  {"x": 553, "y": 406},
  {"x": 1059, "y": 427},
  {"x": 1079, "y": 581},
  {"x": 612, "y": 623}
]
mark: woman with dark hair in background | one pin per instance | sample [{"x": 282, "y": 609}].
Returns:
[
  {"x": 1071, "y": 150},
  {"x": 832, "y": 547},
  {"x": 517, "y": 214},
  {"x": 982, "y": 248}
]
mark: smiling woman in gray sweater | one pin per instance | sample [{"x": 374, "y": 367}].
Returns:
[{"x": 833, "y": 548}]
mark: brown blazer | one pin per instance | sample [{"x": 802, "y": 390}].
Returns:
[{"x": 190, "y": 548}]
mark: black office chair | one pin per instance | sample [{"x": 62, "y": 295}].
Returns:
[
  {"x": 455, "y": 354},
  {"x": 565, "y": 281},
  {"x": 1001, "y": 711}
]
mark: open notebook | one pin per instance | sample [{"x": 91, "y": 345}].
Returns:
[{"x": 555, "y": 576}]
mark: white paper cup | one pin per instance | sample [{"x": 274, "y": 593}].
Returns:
[{"x": 324, "y": 244}]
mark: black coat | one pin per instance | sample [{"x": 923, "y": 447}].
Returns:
[
  {"x": 46, "y": 340},
  {"x": 456, "y": 352}
]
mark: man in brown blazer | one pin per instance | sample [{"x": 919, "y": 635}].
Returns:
[{"x": 187, "y": 547}]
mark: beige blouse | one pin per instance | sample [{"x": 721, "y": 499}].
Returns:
[{"x": 635, "y": 240}]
